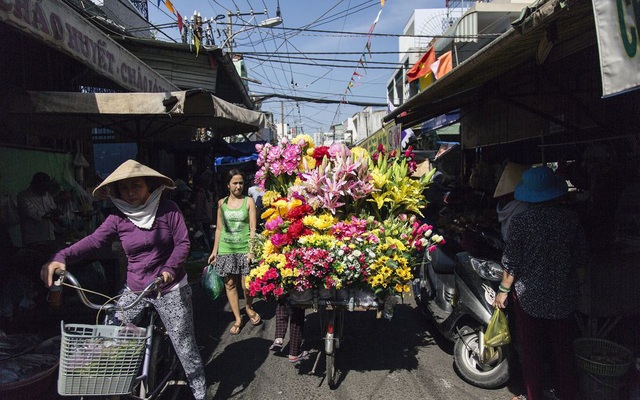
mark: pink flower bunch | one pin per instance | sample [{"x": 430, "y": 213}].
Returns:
[
  {"x": 278, "y": 162},
  {"x": 339, "y": 182},
  {"x": 312, "y": 265},
  {"x": 267, "y": 285}
]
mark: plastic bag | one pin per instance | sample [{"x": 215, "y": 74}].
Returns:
[
  {"x": 211, "y": 282},
  {"x": 497, "y": 333}
]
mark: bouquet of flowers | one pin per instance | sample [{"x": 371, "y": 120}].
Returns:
[{"x": 337, "y": 218}]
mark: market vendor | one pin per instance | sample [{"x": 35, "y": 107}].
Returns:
[
  {"x": 541, "y": 276},
  {"x": 507, "y": 205}
]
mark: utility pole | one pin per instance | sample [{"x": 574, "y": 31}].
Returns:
[
  {"x": 229, "y": 32},
  {"x": 282, "y": 119}
]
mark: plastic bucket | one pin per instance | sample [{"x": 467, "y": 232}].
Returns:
[{"x": 603, "y": 366}]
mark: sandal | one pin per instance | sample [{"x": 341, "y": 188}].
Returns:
[
  {"x": 520, "y": 397},
  {"x": 256, "y": 319},
  {"x": 235, "y": 329},
  {"x": 303, "y": 356},
  {"x": 277, "y": 345}
]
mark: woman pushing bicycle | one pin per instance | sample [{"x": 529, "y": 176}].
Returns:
[{"x": 156, "y": 242}]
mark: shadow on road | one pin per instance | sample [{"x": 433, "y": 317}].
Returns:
[
  {"x": 234, "y": 368},
  {"x": 372, "y": 344}
]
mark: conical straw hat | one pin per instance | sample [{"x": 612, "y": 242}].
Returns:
[
  {"x": 509, "y": 179},
  {"x": 131, "y": 169}
]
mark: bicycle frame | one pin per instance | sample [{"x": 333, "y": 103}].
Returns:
[{"x": 148, "y": 388}]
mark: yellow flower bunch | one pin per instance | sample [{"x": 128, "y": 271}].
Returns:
[
  {"x": 269, "y": 197},
  {"x": 320, "y": 222}
]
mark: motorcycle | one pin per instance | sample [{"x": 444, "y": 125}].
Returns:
[{"x": 456, "y": 290}]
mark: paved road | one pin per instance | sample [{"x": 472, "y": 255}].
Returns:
[{"x": 379, "y": 359}]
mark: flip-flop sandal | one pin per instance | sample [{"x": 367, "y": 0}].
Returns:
[
  {"x": 235, "y": 329},
  {"x": 256, "y": 319},
  {"x": 277, "y": 345},
  {"x": 303, "y": 356}
]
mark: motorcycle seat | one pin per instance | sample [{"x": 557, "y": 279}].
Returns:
[{"x": 441, "y": 262}]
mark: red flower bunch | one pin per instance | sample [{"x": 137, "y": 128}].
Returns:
[{"x": 319, "y": 153}]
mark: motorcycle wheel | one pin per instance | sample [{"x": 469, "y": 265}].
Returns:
[{"x": 484, "y": 375}]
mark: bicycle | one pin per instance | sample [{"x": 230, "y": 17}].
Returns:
[
  {"x": 111, "y": 360},
  {"x": 333, "y": 306}
]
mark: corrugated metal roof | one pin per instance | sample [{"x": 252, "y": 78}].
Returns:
[{"x": 513, "y": 48}]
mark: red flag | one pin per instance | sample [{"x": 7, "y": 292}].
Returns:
[
  {"x": 443, "y": 65},
  {"x": 423, "y": 66},
  {"x": 179, "y": 22}
]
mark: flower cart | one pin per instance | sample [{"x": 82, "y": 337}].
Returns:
[{"x": 341, "y": 229}]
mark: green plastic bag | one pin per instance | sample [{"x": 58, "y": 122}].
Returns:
[
  {"x": 497, "y": 333},
  {"x": 211, "y": 282}
]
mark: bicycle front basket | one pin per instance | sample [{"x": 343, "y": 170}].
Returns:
[{"x": 100, "y": 359}]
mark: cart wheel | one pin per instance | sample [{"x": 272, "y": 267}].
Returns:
[{"x": 332, "y": 375}]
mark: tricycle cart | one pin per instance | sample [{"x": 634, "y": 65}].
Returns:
[{"x": 332, "y": 305}]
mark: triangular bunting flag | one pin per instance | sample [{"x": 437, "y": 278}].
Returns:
[{"x": 169, "y": 6}]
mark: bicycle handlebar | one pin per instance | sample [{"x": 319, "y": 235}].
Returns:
[{"x": 66, "y": 275}]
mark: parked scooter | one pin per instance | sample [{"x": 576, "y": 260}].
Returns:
[{"x": 456, "y": 290}]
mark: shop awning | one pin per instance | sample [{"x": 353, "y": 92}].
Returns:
[
  {"x": 461, "y": 86},
  {"x": 138, "y": 116}
]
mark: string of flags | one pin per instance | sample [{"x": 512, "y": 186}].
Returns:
[
  {"x": 429, "y": 68},
  {"x": 196, "y": 27},
  {"x": 360, "y": 66}
]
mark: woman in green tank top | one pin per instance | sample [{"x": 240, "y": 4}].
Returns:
[{"x": 231, "y": 254}]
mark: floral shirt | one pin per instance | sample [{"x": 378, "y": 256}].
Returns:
[{"x": 544, "y": 247}]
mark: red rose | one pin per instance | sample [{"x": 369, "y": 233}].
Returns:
[
  {"x": 299, "y": 212},
  {"x": 296, "y": 229},
  {"x": 320, "y": 152}
]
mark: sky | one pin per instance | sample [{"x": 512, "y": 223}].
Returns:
[{"x": 294, "y": 59}]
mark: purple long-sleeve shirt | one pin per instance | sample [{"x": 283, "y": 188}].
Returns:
[{"x": 165, "y": 247}]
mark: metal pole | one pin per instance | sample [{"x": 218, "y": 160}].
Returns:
[{"x": 229, "y": 33}]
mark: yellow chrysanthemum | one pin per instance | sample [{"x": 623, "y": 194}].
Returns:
[
  {"x": 359, "y": 152},
  {"x": 307, "y": 163},
  {"x": 269, "y": 197},
  {"x": 306, "y": 138},
  {"x": 276, "y": 259},
  {"x": 317, "y": 241},
  {"x": 288, "y": 273},
  {"x": 268, "y": 248}
]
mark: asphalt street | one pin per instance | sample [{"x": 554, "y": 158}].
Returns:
[{"x": 378, "y": 358}]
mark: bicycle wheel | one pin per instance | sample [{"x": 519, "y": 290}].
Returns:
[
  {"x": 163, "y": 367},
  {"x": 330, "y": 349},
  {"x": 332, "y": 374}
]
